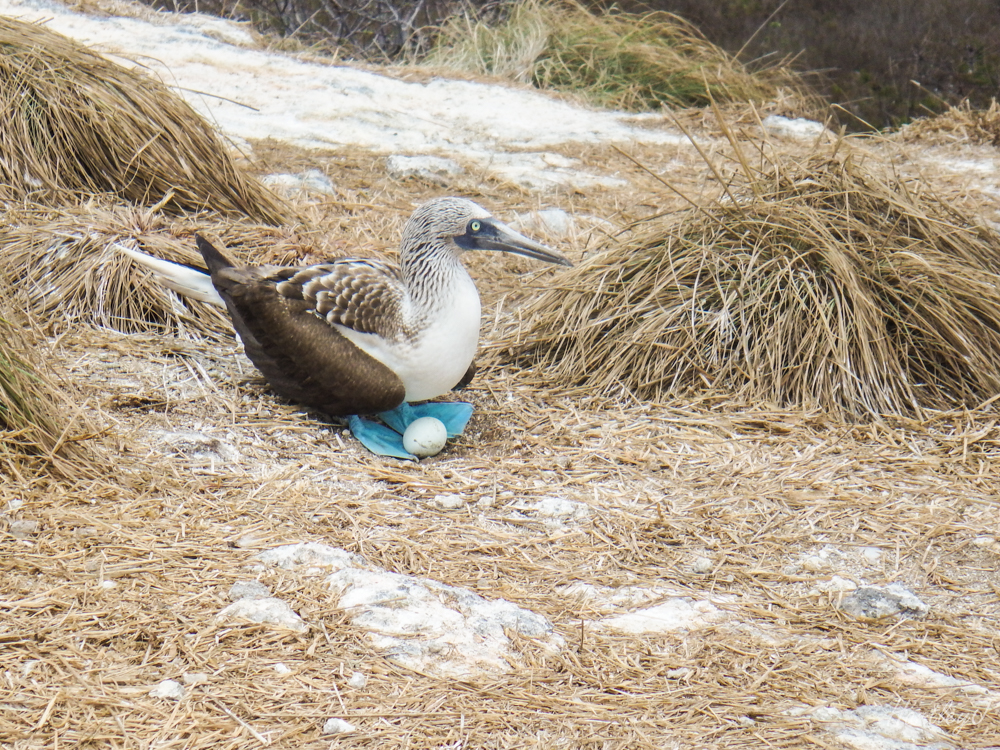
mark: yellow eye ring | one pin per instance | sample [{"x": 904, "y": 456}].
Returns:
[{"x": 475, "y": 226}]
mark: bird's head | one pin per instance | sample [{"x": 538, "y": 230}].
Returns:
[{"x": 464, "y": 225}]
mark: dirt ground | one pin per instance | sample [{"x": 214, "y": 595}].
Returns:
[{"x": 755, "y": 512}]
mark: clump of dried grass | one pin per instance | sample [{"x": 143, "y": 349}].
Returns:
[
  {"x": 614, "y": 59},
  {"x": 830, "y": 281},
  {"x": 74, "y": 122},
  {"x": 38, "y": 421},
  {"x": 961, "y": 124},
  {"x": 64, "y": 264}
]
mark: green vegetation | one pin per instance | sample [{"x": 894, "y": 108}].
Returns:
[
  {"x": 883, "y": 62},
  {"x": 634, "y": 62}
]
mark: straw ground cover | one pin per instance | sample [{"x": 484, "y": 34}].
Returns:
[
  {"x": 613, "y": 59},
  {"x": 64, "y": 263},
  {"x": 76, "y": 123},
  {"x": 824, "y": 281},
  {"x": 40, "y": 422},
  {"x": 119, "y": 586},
  {"x": 961, "y": 124}
]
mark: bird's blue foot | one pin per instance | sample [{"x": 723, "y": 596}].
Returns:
[{"x": 387, "y": 439}]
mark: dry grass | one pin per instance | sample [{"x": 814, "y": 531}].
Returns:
[
  {"x": 64, "y": 265},
  {"x": 612, "y": 59},
  {"x": 119, "y": 586},
  {"x": 76, "y": 123},
  {"x": 129, "y": 581},
  {"x": 40, "y": 422},
  {"x": 961, "y": 124},
  {"x": 824, "y": 281}
]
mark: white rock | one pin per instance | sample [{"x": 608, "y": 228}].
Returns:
[
  {"x": 419, "y": 623},
  {"x": 195, "y": 678},
  {"x": 877, "y": 602},
  {"x": 871, "y": 555},
  {"x": 108, "y": 584},
  {"x": 798, "y": 128},
  {"x": 268, "y": 611},
  {"x": 431, "y": 627},
  {"x": 836, "y": 584},
  {"x": 610, "y": 598},
  {"x": 281, "y": 669},
  {"x": 878, "y": 727},
  {"x": 310, "y": 558},
  {"x": 168, "y": 689},
  {"x": 673, "y": 615},
  {"x": 248, "y": 590},
  {"x": 702, "y": 565},
  {"x": 357, "y": 680},
  {"x": 338, "y": 726},
  {"x": 24, "y": 528},
  {"x": 449, "y": 501},
  {"x": 434, "y": 169},
  {"x": 984, "y": 541},
  {"x": 312, "y": 180}
]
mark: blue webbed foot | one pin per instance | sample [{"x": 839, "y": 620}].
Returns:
[
  {"x": 387, "y": 439},
  {"x": 378, "y": 438},
  {"x": 455, "y": 416}
]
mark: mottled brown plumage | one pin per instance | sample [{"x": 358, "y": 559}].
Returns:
[{"x": 352, "y": 336}]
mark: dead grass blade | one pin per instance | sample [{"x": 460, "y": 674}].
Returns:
[
  {"x": 830, "y": 282},
  {"x": 76, "y": 123}
]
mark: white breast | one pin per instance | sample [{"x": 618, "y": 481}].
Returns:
[{"x": 442, "y": 349}]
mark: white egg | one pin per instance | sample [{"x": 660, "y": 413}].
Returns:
[{"x": 425, "y": 437}]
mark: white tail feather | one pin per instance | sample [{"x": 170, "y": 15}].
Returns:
[{"x": 186, "y": 281}]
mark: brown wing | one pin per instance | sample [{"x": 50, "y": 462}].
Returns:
[
  {"x": 364, "y": 295},
  {"x": 303, "y": 357}
]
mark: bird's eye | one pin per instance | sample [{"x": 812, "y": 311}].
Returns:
[{"x": 475, "y": 226}]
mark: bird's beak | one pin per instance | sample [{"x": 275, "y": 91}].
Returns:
[{"x": 506, "y": 240}]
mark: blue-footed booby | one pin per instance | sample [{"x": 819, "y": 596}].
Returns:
[{"x": 356, "y": 337}]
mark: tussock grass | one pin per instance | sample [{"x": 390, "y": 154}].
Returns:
[
  {"x": 614, "y": 59},
  {"x": 829, "y": 282},
  {"x": 961, "y": 124},
  {"x": 64, "y": 265},
  {"x": 39, "y": 422},
  {"x": 76, "y": 123}
]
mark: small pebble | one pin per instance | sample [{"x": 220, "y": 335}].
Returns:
[
  {"x": 338, "y": 726},
  {"x": 23, "y": 529},
  {"x": 107, "y": 584},
  {"x": 168, "y": 689},
  {"x": 871, "y": 554},
  {"x": 448, "y": 502},
  {"x": 195, "y": 678},
  {"x": 357, "y": 680},
  {"x": 702, "y": 565},
  {"x": 984, "y": 541},
  {"x": 281, "y": 669}
]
